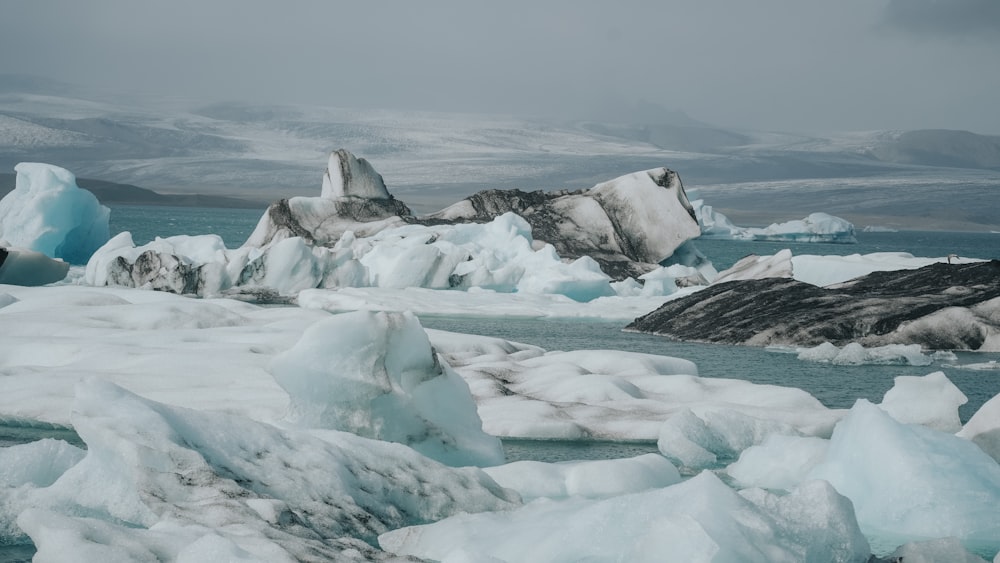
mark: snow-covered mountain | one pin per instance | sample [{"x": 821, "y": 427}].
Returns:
[{"x": 946, "y": 178}]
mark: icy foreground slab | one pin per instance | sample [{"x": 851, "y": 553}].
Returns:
[
  {"x": 161, "y": 482},
  {"x": 902, "y": 478},
  {"x": 698, "y": 520},
  {"x": 376, "y": 375},
  {"x": 48, "y": 213}
]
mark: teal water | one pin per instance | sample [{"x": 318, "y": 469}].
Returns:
[{"x": 147, "y": 222}]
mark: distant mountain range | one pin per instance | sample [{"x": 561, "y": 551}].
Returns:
[
  {"x": 111, "y": 193},
  {"x": 927, "y": 179}
]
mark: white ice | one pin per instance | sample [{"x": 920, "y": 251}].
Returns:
[
  {"x": 984, "y": 428},
  {"x": 817, "y": 227},
  {"x": 157, "y": 479},
  {"x": 214, "y": 355},
  {"x": 48, "y": 213},
  {"x": 854, "y": 354},
  {"x": 588, "y": 479},
  {"x": 824, "y": 270},
  {"x": 910, "y": 482},
  {"x": 498, "y": 256},
  {"x": 700, "y": 519},
  {"x": 376, "y": 375}
]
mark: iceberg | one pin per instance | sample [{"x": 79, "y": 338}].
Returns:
[
  {"x": 700, "y": 519},
  {"x": 48, "y": 213},
  {"x": 816, "y": 227},
  {"x": 163, "y": 482},
  {"x": 376, "y": 375},
  {"x": 983, "y": 428},
  {"x": 854, "y": 354},
  {"x": 356, "y": 234},
  {"x": 902, "y": 478}
]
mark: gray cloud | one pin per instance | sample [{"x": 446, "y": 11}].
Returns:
[
  {"x": 958, "y": 19},
  {"x": 771, "y": 64}
]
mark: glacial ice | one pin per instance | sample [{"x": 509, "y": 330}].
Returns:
[
  {"x": 984, "y": 428},
  {"x": 214, "y": 354},
  {"x": 48, "y": 213},
  {"x": 855, "y": 354},
  {"x": 817, "y": 227},
  {"x": 19, "y": 266},
  {"x": 376, "y": 375},
  {"x": 162, "y": 482},
  {"x": 909, "y": 482},
  {"x": 700, "y": 519},
  {"x": 589, "y": 479},
  {"x": 931, "y": 400}
]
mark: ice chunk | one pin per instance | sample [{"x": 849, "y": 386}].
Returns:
[
  {"x": 854, "y": 354},
  {"x": 755, "y": 267},
  {"x": 984, "y": 428},
  {"x": 347, "y": 175},
  {"x": 781, "y": 462},
  {"x": 376, "y": 375},
  {"x": 38, "y": 463},
  {"x": 698, "y": 520},
  {"x": 817, "y": 227},
  {"x": 591, "y": 479},
  {"x": 176, "y": 482},
  {"x": 48, "y": 213},
  {"x": 698, "y": 441},
  {"x": 931, "y": 400},
  {"x": 944, "y": 550},
  {"x": 19, "y": 266},
  {"x": 903, "y": 478}
]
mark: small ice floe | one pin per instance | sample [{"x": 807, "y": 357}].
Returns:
[{"x": 854, "y": 354}]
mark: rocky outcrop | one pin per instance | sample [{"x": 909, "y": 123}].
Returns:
[{"x": 941, "y": 306}]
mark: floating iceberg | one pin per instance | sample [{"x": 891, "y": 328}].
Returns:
[
  {"x": 817, "y": 227},
  {"x": 48, "y": 213},
  {"x": 358, "y": 235},
  {"x": 854, "y": 354}
]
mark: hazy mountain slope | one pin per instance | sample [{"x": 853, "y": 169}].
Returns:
[
  {"x": 940, "y": 147},
  {"x": 939, "y": 178}
]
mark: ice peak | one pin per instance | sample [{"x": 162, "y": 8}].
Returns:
[{"x": 347, "y": 175}]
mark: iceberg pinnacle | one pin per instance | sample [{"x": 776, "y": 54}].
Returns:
[
  {"x": 48, "y": 213},
  {"x": 347, "y": 175}
]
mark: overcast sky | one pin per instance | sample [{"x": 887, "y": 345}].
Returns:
[{"x": 783, "y": 65}]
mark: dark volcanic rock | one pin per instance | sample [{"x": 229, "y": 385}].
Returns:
[{"x": 941, "y": 306}]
